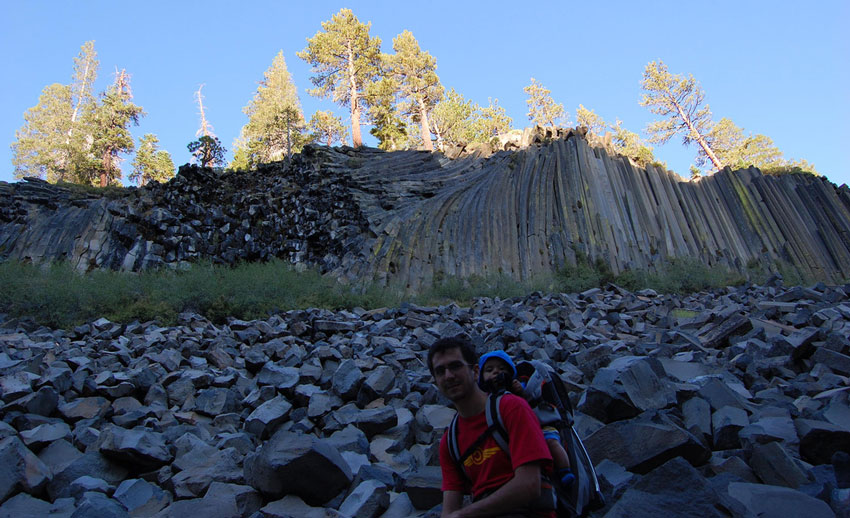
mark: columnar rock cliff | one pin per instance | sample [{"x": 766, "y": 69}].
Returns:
[{"x": 410, "y": 217}]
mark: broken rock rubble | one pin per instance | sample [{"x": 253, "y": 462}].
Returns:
[{"x": 738, "y": 404}]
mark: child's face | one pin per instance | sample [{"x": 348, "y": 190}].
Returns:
[{"x": 493, "y": 368}]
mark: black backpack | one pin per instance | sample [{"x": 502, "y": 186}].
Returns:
[{"x": 550, "y": 401}]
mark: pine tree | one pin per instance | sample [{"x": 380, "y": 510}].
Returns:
[
  {"x": 275, "y": 121},
  {"x": 738, "y": 151},
  {"x": 207, "y": 151},
  {"x": 112, "y": 134},
  {"x": 491, "y": 121},
  {"x": 542, "y": 109},
  {"x": 415, "y": 73},
  {"x": 629, "y": 144},
  {"x": 151, "y": 163},
  {"x": 41, "y": 147},
  {"x": 54, "y": 142},
  {"x": 679, "y": 99},
  {"x": 327, "y": 128},
  {"x": 454, "y": 119},
  {"x": 388, "y": 126},
  {"x": 345, "y": 59},
  {"x": 590, "y": 120}
]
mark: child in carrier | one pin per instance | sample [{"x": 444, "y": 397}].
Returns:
[{"x": 497, "y": 372}]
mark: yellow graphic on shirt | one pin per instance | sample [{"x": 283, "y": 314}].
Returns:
[{"x": 479, "y": 456}]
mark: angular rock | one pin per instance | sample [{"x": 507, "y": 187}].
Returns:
[
  {"x": 280, "y": 377},
  {"x": 624, "y": 389},
  {"x": 98, "y": 505},
  {"x": 423, "y": 487},
  {"x": 774, "y": 466},
  {"x": 215, "y": 401},
  {"x": 84, "y": 408},
  {"x": 244, "y": 499},
  {"x": 140, "y": 448},
  {"x": 368, "y": 500},
  {"x": 301, "y": 465},
  {"x": 92, "y": 464},
  {"x": 372, "y": 421},
  {"x": 766, "y": 500},
  {"x": 23, "y": 505},
  {"x": 292, "y": 506},
  {"x": 263, "y": 421},
  {"x": 141, "y": 498},
  {"x": 644, "y": 443},
  {"x": 726, "y": 422},
  {"x": 22, "y": 470},
  {"x": 820, "y": 440},
  {"x": 44, "y": 434},
  {"x": 674, "y": 488},
  {"x": 346, "y": 380}
]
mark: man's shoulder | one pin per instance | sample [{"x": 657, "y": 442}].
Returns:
[{"x": 512, "y": 401}]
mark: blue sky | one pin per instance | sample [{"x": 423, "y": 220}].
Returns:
[{"x": 779, "y": 68}]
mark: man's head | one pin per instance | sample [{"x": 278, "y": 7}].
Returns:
[
  {"x": 455, "y": 342},
  {"x": 453, "y": 363},
  {"x": 497, "y": 370}
]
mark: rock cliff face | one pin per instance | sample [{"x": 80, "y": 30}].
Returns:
[{"x": 410, "y": 217}]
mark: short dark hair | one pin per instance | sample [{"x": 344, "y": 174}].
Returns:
[{"x": 467, "y": 350}]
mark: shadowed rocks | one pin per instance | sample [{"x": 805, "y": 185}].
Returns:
[{"x": 263, "y": 418}]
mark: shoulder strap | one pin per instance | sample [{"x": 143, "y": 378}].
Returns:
[
  {"x": 495, "y": 426},
  {"x": 493, "y": 413},
  {"x": 451, "y": 438}
]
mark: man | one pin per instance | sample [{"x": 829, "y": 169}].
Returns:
[{"x": 501, "y": 484}]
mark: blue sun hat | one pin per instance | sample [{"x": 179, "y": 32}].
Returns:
[{"x": 500, "y": 354}]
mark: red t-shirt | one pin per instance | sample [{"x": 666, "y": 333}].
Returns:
[{"x": 489, "y": 468}]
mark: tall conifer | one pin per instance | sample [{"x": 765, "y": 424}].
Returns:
[{"x": 345, "y": 59}]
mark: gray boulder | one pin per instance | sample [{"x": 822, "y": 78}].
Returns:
[
  {"x": 216, "y": 401},
  {"x": 774, "y": 466},
  {"x": 267, "y": 417},
  {"x": 423, "y": 487},
  {"x": 98, "y": 505},
  {"x": 673, "y": 489},
  {"x": 140, "y": 449},
  {"x": 346, "y": 380},
  {"x": 644, "y": 443},
  {"x": 625, "y": 388},
  {"x": 368, "y": 500},
  {"x": 766, "y": 500},
  {"x": 820, "y": 440},
  {"x": 292, "y": 506},
  {"x": 372, "y": 420},
  {"x": 23, "y": 505},
  {"x": 141, "y": 498},
  {"x": 22, "y": 470},
  {"x": 296, "y": 464}
]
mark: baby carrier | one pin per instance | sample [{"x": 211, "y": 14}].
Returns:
[{"x": 550, "y": 401}]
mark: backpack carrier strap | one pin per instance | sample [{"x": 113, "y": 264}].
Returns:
[{"x": 494, "y": 427}]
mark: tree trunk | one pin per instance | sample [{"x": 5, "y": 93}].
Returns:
[
  {"x": 356, "y": 139},
  {"x": 288, "y": 137},
  {"x": 699, "y": 138},
  {"x": 424, "y": 129},
  {"x": 107, "y": 167}
]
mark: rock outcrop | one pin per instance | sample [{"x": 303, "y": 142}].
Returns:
[
  {"x": 320, "y": 413},
  {"x": 412, "y": 217}
]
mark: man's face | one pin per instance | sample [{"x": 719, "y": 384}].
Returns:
[{"x": 454, "y": 377}]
